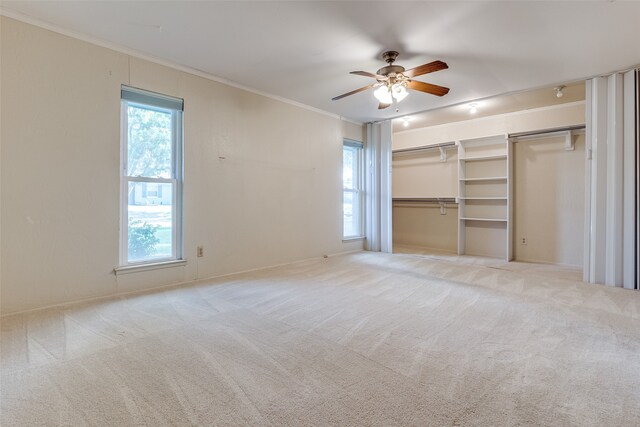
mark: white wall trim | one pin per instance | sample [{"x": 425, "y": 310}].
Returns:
[
  {"x": 137, "y": 268},
  {"x": 176, "y": 66},
  {"x": 509, "y": 114}
]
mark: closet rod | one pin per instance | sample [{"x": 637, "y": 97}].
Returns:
[
  {"x": 443, "y": 145},
  {"x": 546, "y": 131},
  {"x": 436, "y": 200}
]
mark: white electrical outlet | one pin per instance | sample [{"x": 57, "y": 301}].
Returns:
[
  {"x": 200, "y": 251},
  {"x": 523, "y": 241}
]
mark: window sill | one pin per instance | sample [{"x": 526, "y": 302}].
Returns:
[
  {"x": 352, "y": 239},
  {"x": 126, "y": 269}
]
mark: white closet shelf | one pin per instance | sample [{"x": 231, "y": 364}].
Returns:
[
  {"x": 485, "y": 219},
  {"x": 485, "y": 189},
  {"x": 488, "y": 178},
  {"x": 483, "y": 198},
  {"x": 481, "y": 158}
]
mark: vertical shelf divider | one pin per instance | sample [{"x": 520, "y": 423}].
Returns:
[
  {"x": 485, "y": 195},
  {"x": 510, "y": 200},
  {"x": 461, "y": 200}
]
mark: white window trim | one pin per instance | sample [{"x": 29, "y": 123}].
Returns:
[
  {"x": 352, "y": 239},
  {"x": 176, "y": 258},
  {"x": 135, "y": 268},
  {"x": 357, "y": 190}
]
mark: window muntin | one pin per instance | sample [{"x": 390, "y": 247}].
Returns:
[
  {"x": 352, "y": 189},
  {"x": 151, "y": 229}
]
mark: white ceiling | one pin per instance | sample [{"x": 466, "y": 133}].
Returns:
[
  {"x": 303, "y": 51},
  {"x": 501, "y": 104}
]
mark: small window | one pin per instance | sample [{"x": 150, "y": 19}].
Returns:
[
  {"x": 352, "y": 189},
  {"x": 151, "y": 178}
]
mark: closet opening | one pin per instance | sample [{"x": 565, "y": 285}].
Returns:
[
  {"x": 549, "y": 197},
  {"x": 425, "y": 207},
  {"x": 503, "y": 185}
]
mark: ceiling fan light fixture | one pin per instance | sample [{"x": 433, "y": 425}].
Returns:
[
  {"x": 383, "y": 94},
  {"x": 399, "y": 92},
  {"x": 394, "y": 81}
]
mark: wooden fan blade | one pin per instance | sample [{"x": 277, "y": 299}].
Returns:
[
  {"x": 352, "y": 92},
  {"x": 428, "y": 88},
  {"x": 426, "y": 68},
  {"x": 367, "y": 74},
  {"x": 382, "y": 106}
]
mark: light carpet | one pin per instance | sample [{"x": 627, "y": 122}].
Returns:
[{"x": 363, "y": 339}]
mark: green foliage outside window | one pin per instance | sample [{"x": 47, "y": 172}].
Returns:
[
  {"x": 142, "y": 239},
  {"x": 149, "y": 149}
]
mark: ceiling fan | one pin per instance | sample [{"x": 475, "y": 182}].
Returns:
[{"x": 392, "y": 81}]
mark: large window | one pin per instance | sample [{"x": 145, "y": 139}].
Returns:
[
  {"x": 151, "y": 178},
  {"x": 352, "y": 189}
]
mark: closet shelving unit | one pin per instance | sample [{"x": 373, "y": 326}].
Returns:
[{"x": 484, "y": 197}]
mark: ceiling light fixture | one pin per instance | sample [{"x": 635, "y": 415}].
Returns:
[
  {"x": 394, "y": 81},
  {"x": 391, "y": 90},
  {"x": 383, "y": 94},
  {"x": 399, "y": 92},
  {"x": 558, "y": 91},
  {"x": 473, "y": 108}
]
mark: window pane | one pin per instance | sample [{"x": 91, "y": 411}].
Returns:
[
  {"x": 351, "y": 214},
  {"x": 351, "y": 164},
  {"x": 149, "y": 138},
  {"x": 349, "y": 167},
  {"x": 150, "y": 221}
]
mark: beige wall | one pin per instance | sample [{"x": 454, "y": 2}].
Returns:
[
  {"x": 423, "y": 174},
  {"x": 521, "y": 121},
  {"x": 273, "y": 199},
  {"x": 549, "y": 185},
  {"x": 424, "y": 226}
]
